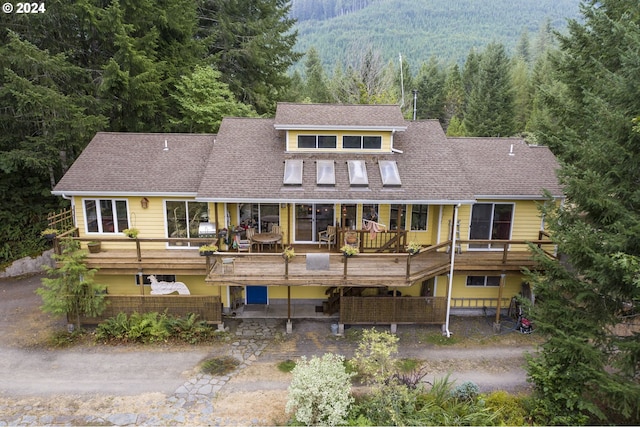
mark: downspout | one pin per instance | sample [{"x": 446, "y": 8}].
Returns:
[{"x": 453, "y": 257}]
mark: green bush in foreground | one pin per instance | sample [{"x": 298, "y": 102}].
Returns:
[
  {"x": 154, "y": 327},
  {"x": 319, "y": 393}
]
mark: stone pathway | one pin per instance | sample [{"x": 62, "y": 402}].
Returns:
[{"x": 191, "y": 404}]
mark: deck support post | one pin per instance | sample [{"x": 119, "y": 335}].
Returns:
[{"x": 496, "y": 324}]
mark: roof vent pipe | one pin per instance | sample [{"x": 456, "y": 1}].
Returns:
[
  {"x": 166, "y": 146},
  {"x": 415, "y": 103},
  {"x": 511, "y": 153}
]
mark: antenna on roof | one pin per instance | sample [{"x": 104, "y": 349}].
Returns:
[
  {"x": 166, "y": 146},
  {"x": 401, "y": 82}
]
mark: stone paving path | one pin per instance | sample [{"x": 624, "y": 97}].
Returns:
[{"x": 191, "y": 403}]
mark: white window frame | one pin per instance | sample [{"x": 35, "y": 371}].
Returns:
[
  {"x": 97, "y": 201},
  {"x": 361, "y": 137},
  {"x": 489, "y": 247},
  {"x": 486, "y": 281},
  {"x": 317, "y": 137}
]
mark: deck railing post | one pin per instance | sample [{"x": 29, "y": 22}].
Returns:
[
  {"x": 344, "y": 267},
  {"x": 408, "y": 267},
  {"x": 138, "y": 251},
  {"x": 505, "y": 246}
]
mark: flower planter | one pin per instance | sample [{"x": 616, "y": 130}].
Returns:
[
  {"x": 207, "y": 253},
  {"x": 94, "y": 247}
]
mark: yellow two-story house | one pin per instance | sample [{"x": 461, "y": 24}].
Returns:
[{"x": 317, "y": 178}]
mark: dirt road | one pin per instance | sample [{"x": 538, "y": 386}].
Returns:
[{"x": 33, "y": 375}]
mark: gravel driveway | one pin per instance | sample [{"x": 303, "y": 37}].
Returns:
[{"x": 129, "y": 380}]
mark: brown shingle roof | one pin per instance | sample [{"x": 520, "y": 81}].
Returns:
[
  {"x": 247, "y": 163},
  {"x": 137, "y": 163},
  {"x": 492, "y": 171},
  {"x": 289, "y": 115}
]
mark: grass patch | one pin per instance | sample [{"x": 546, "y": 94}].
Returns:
[
  {"x": 219, "y": 365},
  {"x": 62, "y": 338},
  {"x": 286, "y": 366},
  {"x": 439, "y": 339}
]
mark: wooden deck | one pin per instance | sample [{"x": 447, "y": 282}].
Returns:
[{"x": 271, "y": 269}]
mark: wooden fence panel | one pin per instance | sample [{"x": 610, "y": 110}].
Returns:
[
  {"x": 207, "y": 307},
  {"x": 388, "y": 310}
]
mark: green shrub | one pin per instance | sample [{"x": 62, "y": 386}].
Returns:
[
  {"x": 510, "y": 409},
  {"x": 319, "y": 393},
  {"x": 286, "y": 366},
  {"x": 467, "y": 391},
  {"x": 155, "y": 327}
]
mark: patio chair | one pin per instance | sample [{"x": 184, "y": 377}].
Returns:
[
  {"x": 327, "y": 236},
  {"x": 276, "y": 229},
  {"x": 244, "y": 245}
]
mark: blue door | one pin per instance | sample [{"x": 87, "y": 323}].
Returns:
[{"x": 256, "y": 294}]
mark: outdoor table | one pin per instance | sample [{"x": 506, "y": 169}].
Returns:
[{"x": 266, "y": 238}]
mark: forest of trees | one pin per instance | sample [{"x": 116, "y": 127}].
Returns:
[{"x": 420, "y": 29}]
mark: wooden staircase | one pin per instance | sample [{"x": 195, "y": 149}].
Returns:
[{"x": 332, "y": 305}]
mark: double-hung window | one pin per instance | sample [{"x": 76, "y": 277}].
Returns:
[
  {"x": 106, "y": 215},
  {"x": 490, "y": 221}
]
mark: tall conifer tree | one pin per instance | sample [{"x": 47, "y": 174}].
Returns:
[{"x": 587, "y": 371}]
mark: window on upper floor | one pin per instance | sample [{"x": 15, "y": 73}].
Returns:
[
  {"x": 362, "y": 142},
  {"x": 419, "y": 215},
  {"x": 490, "y": 221},
  {"x": 106, "y": 215},
  {"x": 317, "y": 141},
  {"x": 183, "y": 219}
]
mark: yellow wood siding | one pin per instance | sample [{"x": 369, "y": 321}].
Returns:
[{"x": 292, "y": 140}]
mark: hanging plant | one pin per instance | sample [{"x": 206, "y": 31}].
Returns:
[{"x": 131, "y": 233}]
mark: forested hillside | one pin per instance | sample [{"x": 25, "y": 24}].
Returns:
[{"x": 419, "y": 29}]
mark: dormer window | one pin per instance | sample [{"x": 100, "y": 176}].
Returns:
[
  {"x": 317, "y": 141},
  {"x": 292, "y": 172},
  {"x": 389, "y": 173},
  {"x": 325, "y": 172},
  {"x": 362, "y": 142},
  {"x": 357, "y": 173}
]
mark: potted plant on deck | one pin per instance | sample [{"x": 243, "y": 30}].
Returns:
[
  {"x": 49, "y": 233},
  {"x": 94, "y": 247},
  {"x": 288, "y": 253},
  {"x": 413, "y": 247},
  {"x": 348, "y": 250},
  {"x": 206, "y": 250},
  {"x": 131, "y": 233}
]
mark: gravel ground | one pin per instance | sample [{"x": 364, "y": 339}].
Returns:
[{"x": 90, "y": 379}]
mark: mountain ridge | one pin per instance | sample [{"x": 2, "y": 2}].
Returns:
[{"x": 420, "y": 29}]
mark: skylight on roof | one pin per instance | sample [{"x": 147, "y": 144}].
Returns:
[
  {"x": 357, "y": 172},
  {"x": 292, "y": 172},
  {"x": 325, "y": 172},
  {"x": 389, "y": 173}
]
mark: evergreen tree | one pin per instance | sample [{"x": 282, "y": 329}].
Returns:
[
  {"x": 251, "y": 43},
  {"x": 430, "y": 85},
  {"x": 489, "y": 110},
  {"x": 203, "y": 101},
  {"x": 454, "y": 97},
  {"x": 316, "y": 89},
  {"x": 586, "y": 371},
  {"x": 70, "y": 289},
  {"x": 522, "y": 92}
]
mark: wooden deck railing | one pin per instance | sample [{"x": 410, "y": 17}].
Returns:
[
  {"x": 383, "y": 241},
  {"x": 392, "y": 310},
  {"x": 207, "y": 307}
]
